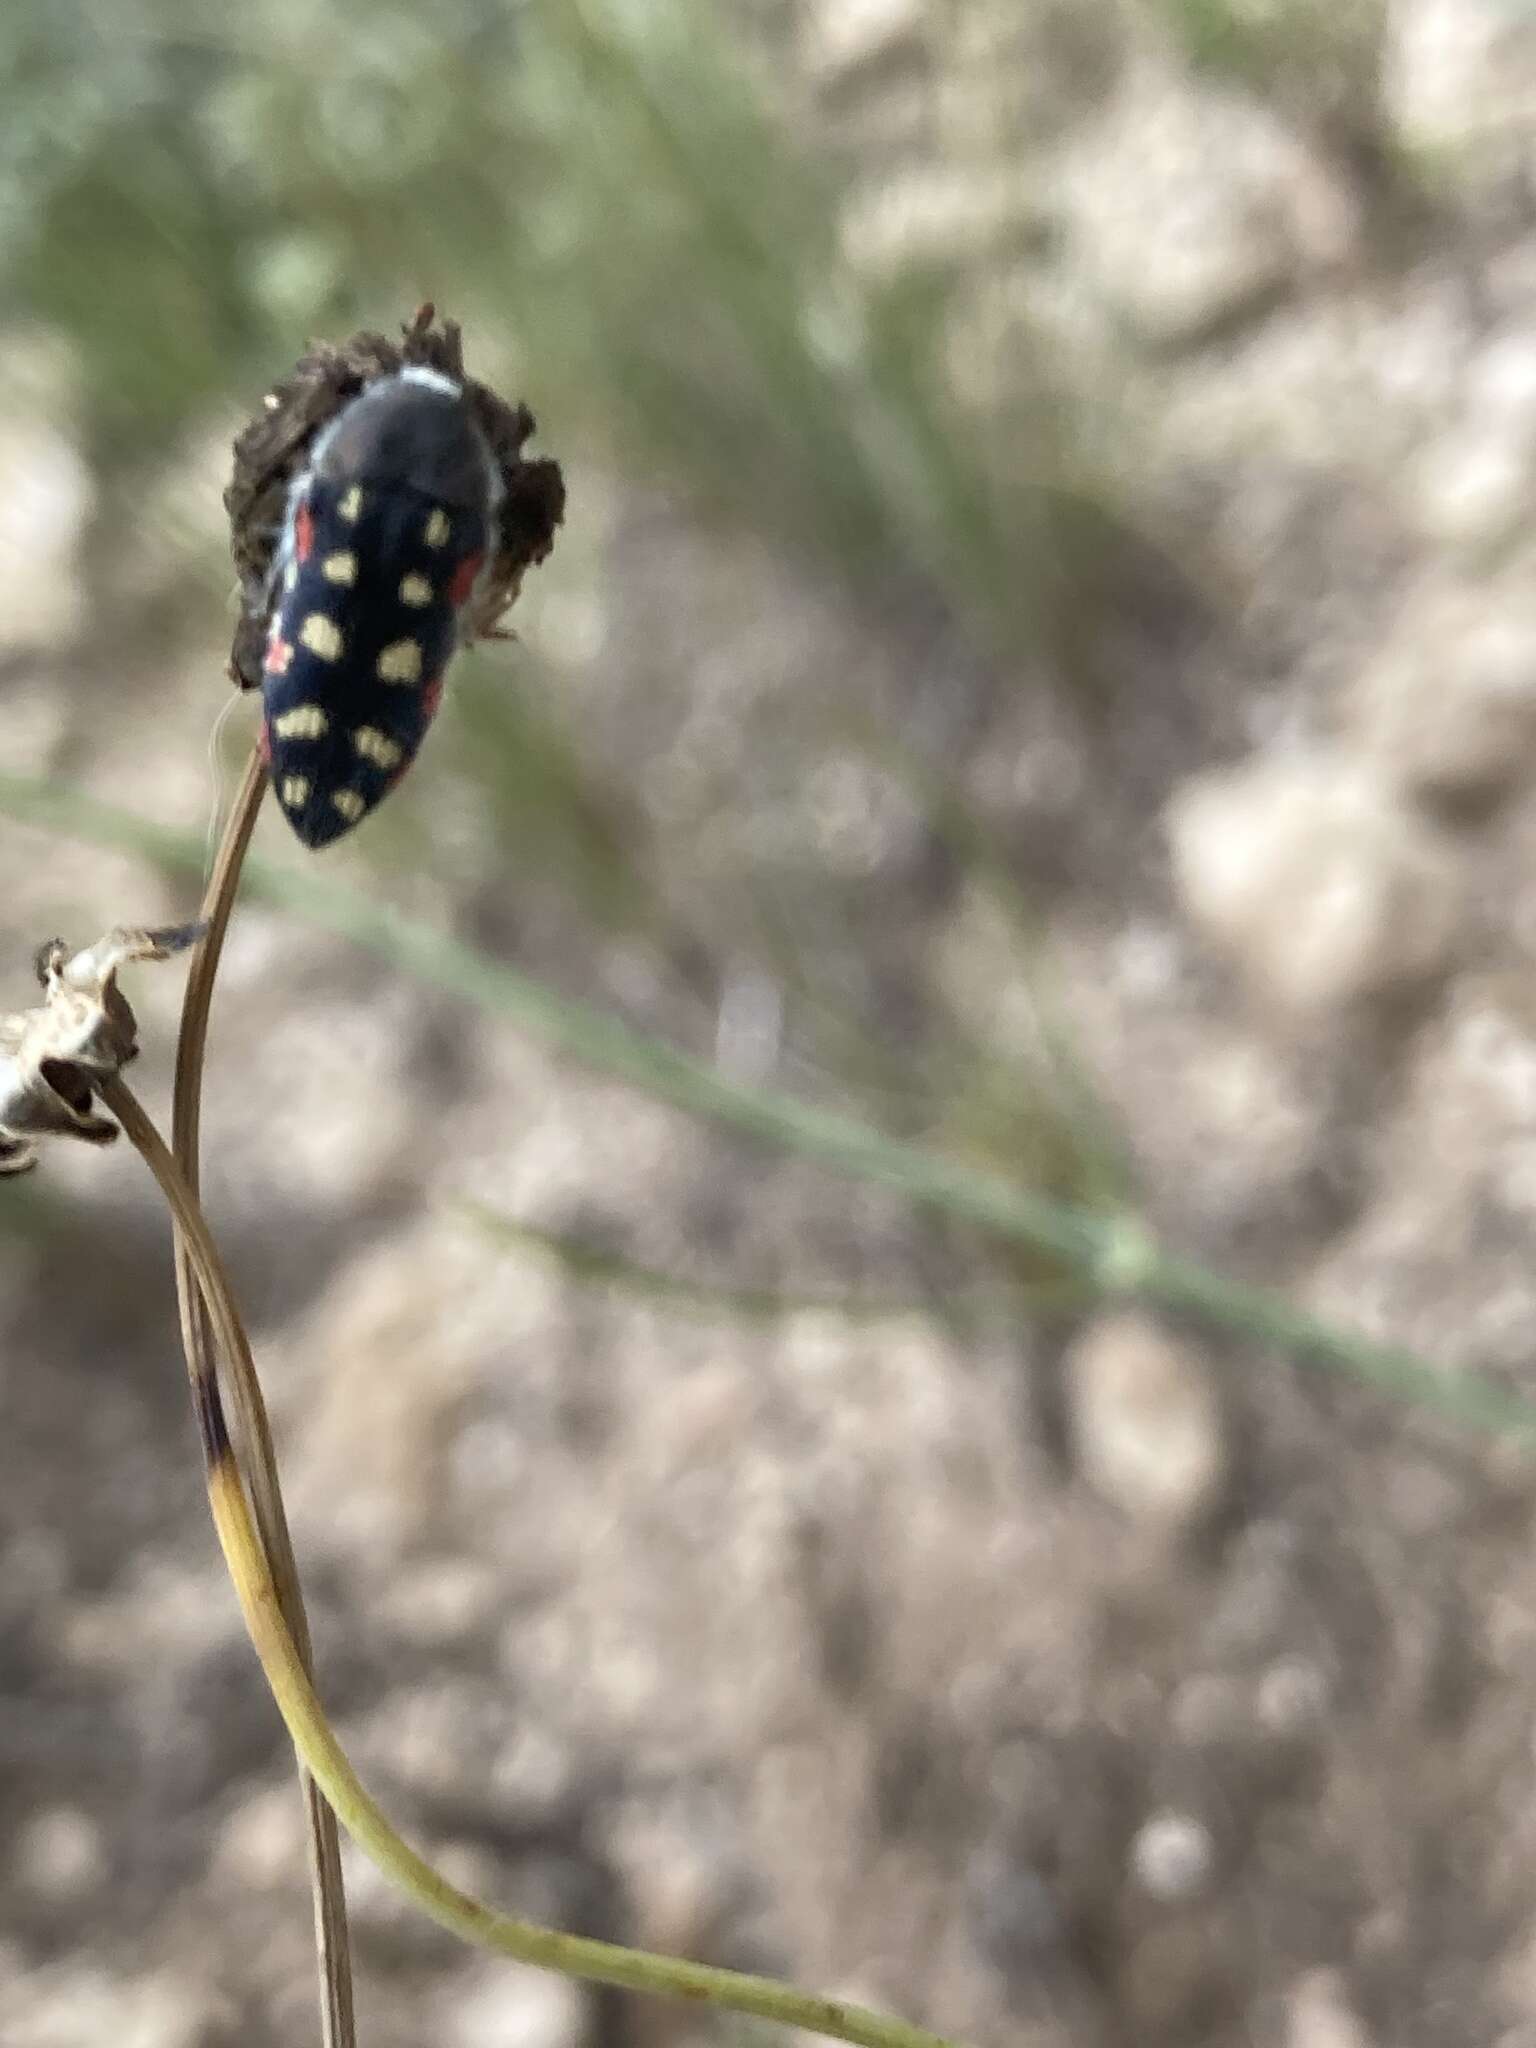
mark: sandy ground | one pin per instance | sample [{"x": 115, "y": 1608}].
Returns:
[{"x": 1068, "y": 1680}]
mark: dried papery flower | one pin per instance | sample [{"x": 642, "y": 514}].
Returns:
[
  {"x": 275, "y": 448},
  {"x": 83, "y": 1030}
]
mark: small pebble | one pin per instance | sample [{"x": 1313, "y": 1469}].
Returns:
[
  {"x": 1448, "y": 708},
  {"x": 1146, "y": 1425},
  {"x": 1173, "y": 1857},
  {"x": 59, "y": 1854},
  {"x": 515, "y": 2006},
  {"x": 1320, "y": 884},
  {"x": 1319, "y": 2015}
]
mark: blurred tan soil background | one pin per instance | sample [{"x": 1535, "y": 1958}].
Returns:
[{"x": 1041, "y": 659}]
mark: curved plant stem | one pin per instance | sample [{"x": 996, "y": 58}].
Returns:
[
  {"x": 590, "y": 1265},
  {"x": 218, "y": 902},
  {"x": 333, "y": 1948},
  {"x": 573, "y": 1955}
]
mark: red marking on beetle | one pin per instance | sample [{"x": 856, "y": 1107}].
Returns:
[
  {"x": 431, "y": 697},
  {"x": 303, "y": 531},
  {"x": 279, "y": 654},
  {"x": 463, "y": 581}
]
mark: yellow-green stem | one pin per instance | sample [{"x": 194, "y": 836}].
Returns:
[{"x": 573, "y": 1955}]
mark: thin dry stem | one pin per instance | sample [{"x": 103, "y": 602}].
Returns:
[{"x": 331, "y": 1936}]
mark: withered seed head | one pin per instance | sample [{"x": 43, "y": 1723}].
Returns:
[
  {"x": 83, "y": 1030},
  {"x": 273, "y": 448}
]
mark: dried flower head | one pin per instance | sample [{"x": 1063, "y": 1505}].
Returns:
[
  {"x": 275, "y": 449},
  {"x": 82, "y": 1031}
]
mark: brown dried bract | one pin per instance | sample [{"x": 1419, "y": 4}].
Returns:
[
  {"x": 275, "y": 446},
  {"x": 84, "y": 1030}
]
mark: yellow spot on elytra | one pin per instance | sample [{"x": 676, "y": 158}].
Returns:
[
  {"x": 351, "y": 503},
  {"x": 321, "y": 636},
  {"x": 400, "y": 662},
  {"x": 340, "y": 567},
  {"x": 295, "y": 791},
  {"x": 377, "y": 747},
  {"x": 437, "y": 529},
  {"x": 303, "y": 722},
  {"x": 415, "y": 590},
  {"x": 350, "y": 804}
]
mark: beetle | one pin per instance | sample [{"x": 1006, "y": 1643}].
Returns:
[{"x": 384, "y": 538}]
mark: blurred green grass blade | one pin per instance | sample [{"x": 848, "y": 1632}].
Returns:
[
  {"x": 1113, "y": 1254},
  {"x": 589, "y": 1264}
]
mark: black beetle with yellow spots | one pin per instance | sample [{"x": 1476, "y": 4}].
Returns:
[{"x": 386, "y": 534}]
